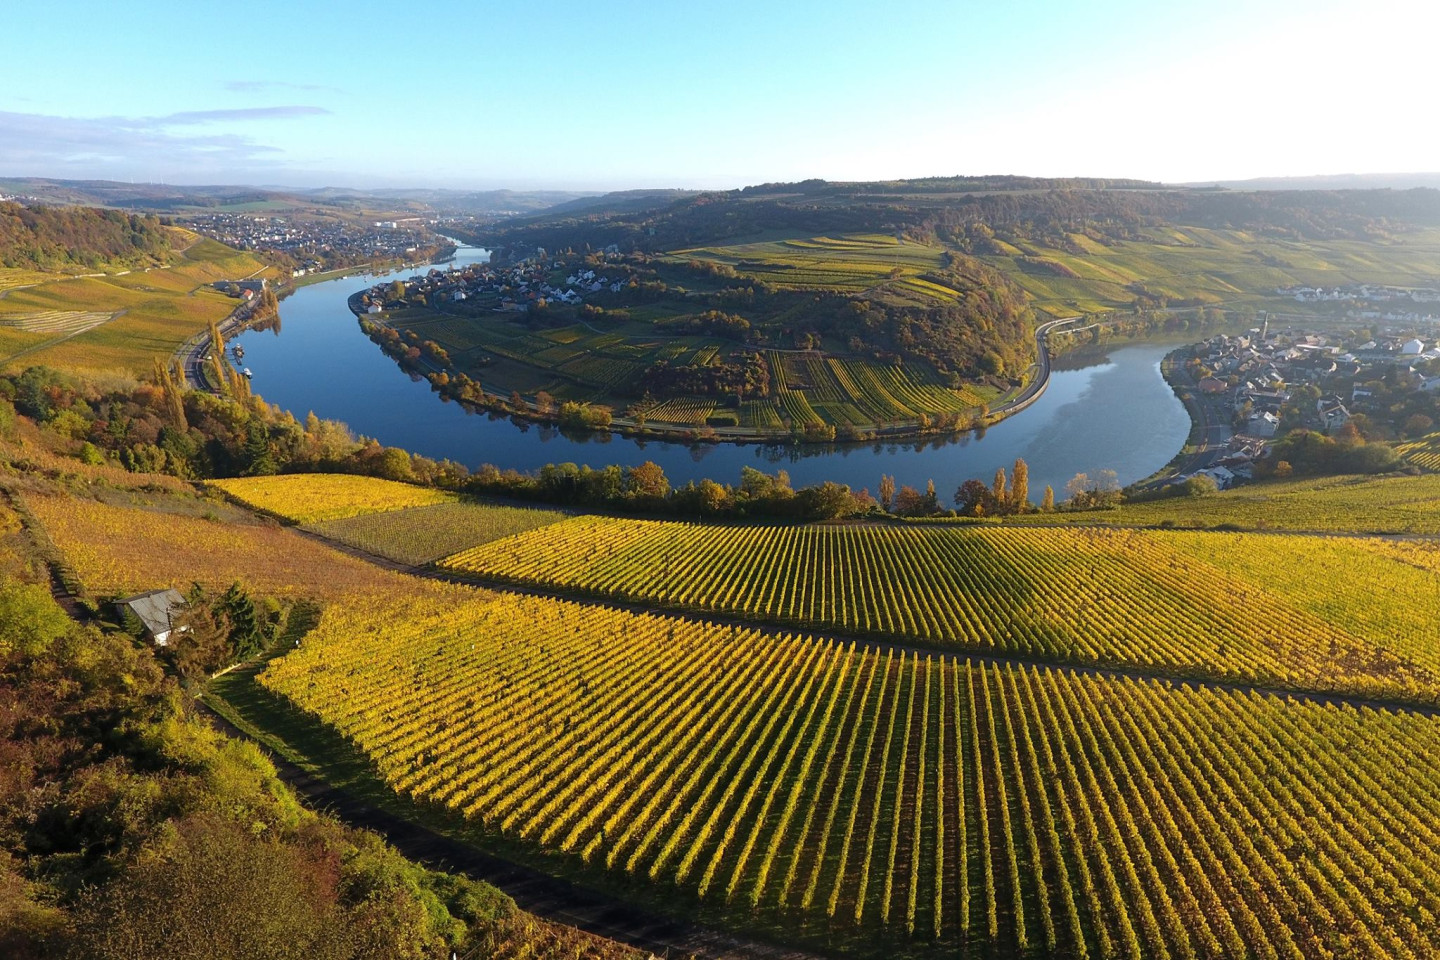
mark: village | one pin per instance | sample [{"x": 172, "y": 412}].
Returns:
[
  {"x": 1270, "y": 383},
  {"x": 315, "y": 245},
  {"x": 517, "y": 287}
]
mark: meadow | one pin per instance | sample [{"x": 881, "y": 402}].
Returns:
[
  {"x": 1121, "y": 598},
  {"x": 892, "y": 797}
]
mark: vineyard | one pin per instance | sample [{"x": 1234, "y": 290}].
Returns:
[
  {"x": 418, "y": 535},
  {"x": 1105, "y": 597},
  {"x": 60, "y": 322},
  {"x": 894, "y": 797},
  {"x": 118, "y": 549},
  {"x": 317, "y": 497},
  {"x": 122, "y": 321},
  {"x": 1395, "y": 504},
  {"x": 875, "y": 264},
  {"x": 1424, "y": 452}
]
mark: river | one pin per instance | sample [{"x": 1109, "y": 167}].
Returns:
[{"x": 1110, "y": 410}]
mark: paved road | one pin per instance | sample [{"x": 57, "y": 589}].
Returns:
[
  {"x": 193, "y": 351},
  {"x": 1210, "y": 418},
  {"x": 1041, "y": 380}
]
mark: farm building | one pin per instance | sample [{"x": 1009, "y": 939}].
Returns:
[{"x": 156, "y": 611}]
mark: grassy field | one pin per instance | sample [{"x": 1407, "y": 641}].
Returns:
[
  {"x": 891, "y": 802},
  {"x": 119, "y": 322},
  {"x": 1397, "y": 504},
  {"x": 1137, "y": 599}
]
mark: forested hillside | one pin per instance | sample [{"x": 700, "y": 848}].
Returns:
[
  {"x": 953, "y": 208},
  {"x": 61, "y": 238}
]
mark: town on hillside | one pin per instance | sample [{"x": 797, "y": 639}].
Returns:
[
  {"x": 313, "y": 244},
  {"x": 1358, "y": 383}
]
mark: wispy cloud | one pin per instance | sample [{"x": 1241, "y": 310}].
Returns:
[
  {"x": 38, "y": 144},
  {"x": 265, "y": 86},
  {"x": 244, "y": 113}
]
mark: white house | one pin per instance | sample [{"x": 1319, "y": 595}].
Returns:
[
  {"x": 1263, "y": 425},
  {"x": 1332, "y": 413},
  {"x": 1413, "y": 348},
  {"x": 1222, "y": 476}
]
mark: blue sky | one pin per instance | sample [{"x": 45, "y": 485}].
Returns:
[{"x": 602, "y": 95}]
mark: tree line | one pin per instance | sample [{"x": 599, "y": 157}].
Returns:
[{"x": 57, "y": 238}]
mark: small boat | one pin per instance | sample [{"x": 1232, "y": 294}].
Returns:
[{"x": 247, "y": 372}]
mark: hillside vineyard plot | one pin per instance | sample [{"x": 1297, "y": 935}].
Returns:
[
  {"x": 1105, "y": 597},
  {"x": 420, "y": 534},
  {"x": 318, "y": 497},
  {"x": 996, "y": 809}
]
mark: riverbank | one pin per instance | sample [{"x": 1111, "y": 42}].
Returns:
[{"x": 461, "y": 389}]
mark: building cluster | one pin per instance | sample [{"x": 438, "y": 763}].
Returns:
[
  {"x": 1369, "y": 292},
  {"x": 516, "y": 287},
  {"x": 315, "y": 245},
  {"x": 1255, "y": 375}
]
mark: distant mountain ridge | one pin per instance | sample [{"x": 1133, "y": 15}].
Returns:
[
  {"x": 1338, "y": 181},
  {"x": 165, "y": 197}
]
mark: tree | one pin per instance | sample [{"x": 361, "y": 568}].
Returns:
[
  {"x": 974, "y": 499},
  {"x": 998, "y": 490},
  {"x": 1200, "y": 485},
  {"x": 30, "y": 620},
  {"x": 910, "y": 502},
  {"x": 828, "y": 501},
  {"x": 710, "y": 496},
  {"x": 887, "y": 491},
  {"x": 646, "y": 481},
  {"x": 1047, "y": 503},
  {"x": 1078, "y": 488},
  {"x": 1019, "y": 493},
  {"x": 1102, "y": 490},
  {"x": 1417, "y": 425},
  {"x": 395, "y": 464},
  {"x": 210, "y": 888}
]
